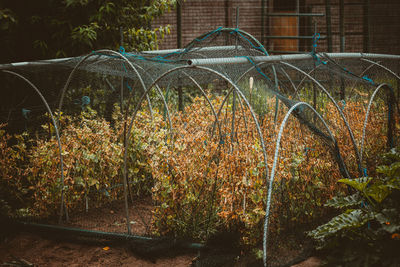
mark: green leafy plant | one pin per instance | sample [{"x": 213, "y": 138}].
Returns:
[
  {"x": 12, "y": 159},
  {"x": 367, "y": 232},
  {"x": 91, "y": 154}
]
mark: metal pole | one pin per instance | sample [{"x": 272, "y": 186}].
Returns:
[
  {"x": 341, "y": 25},
  {"x": 179, "y": 44},
  {"x": 227, "y": 19},
  {"x": 312, "y": 84},
  {"x": 328, "y": 23},
  {"x": 298, "y": 22},
  {"x": 126, "y": 184},
  {"x": 342, "y": 43},
  {"x": 179, "y": 24},
  {"x": 366, "y": 27},
  {"x": 262, "y": 21},
  {"x": 121, "y": 32},
  {"x": 234, "y": 92},
  {"x": 279, "y": 58}
]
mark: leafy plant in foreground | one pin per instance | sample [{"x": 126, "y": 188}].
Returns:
[{"x": 367, "y": 232}]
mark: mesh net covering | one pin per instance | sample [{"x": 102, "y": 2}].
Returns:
[{"x": 187, "y": 142}]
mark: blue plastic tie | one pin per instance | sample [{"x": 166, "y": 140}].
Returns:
[
  {"x": 85, "y": 100},
  {"x": 306, "y": 149},
  {"x": 261, "y": 48},
  {"x": 102, "y": 54},
  {"x": 209, "y": 34},
  {"x": 129, "y": 87},
  {"x": 25, "y": 113},
  {"x": 365, "y": 77},
  {"x": 257, "y": 68},
  {"x": 122, "y": 49},
  {"x": 163, "y": 58},
  {"x": 316, "y": 37},
  {"x": 343, "y": 104}
]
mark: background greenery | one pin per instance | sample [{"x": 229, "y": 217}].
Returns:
[{"x": 43, "y": 29}]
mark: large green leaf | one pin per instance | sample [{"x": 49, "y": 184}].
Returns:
[
  {"x": 378, "y": 192},
  {"x": 352, "y": 219},
  {"x": 340, "y": 202},
  {"x": 360, "y": 183},
  {"x": 389, "y": 171}
]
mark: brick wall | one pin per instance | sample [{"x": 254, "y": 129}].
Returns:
[{"x": 200, "y": 16}]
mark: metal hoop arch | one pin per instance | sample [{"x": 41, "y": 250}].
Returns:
[
  {"x": 95, "y": 53},
  {"x": 273, "y": 170},
  {"x": 60, "y": 150},
  {"x": 129, "y": 129},
  {"x": 382, "y": 66},
  {"x": 248, "y": 35},
  {"x": 366, "y": 117},
  {"x": 234, "y": 87},
  {"x": 357, "y": 153}
]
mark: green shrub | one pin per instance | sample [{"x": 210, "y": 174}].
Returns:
[
  {"x": 367, "y": 232},
  {"x": 92, "y": 156},
  {"x": 12, "y": 161}
]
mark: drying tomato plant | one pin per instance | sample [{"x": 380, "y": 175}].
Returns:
[{"x": 203, "y": 174}]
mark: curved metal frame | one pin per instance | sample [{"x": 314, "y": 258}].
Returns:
[
  {"x": 145, "y": 94},
  {"x": 234, "y": 87},
  {"x": 207, "y": 99},
  {"x": 56, "y": 131},
  {"x": 94, "y": 54},
  {"x": 309, "y": 73},
  {"x": 248, "y": 35},
  {"x": 158, "y": 91},
  {"x": 143, "y": 86},
  {"x": 362, "y": 73},
  {"x": 357, "y": 153},
  {"x": 273, "y": 170},
  {"x": 366, "y": 119},
  {"x": 374, "y": 64},
  {"x": 381, "y": 66}
]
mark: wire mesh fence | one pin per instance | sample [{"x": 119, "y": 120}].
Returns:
[
  {"x": 288, "y": 26},
  {"x": 187, "y": 143}
]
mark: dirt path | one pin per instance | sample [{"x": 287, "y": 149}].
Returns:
[
  {"x": 46, "y": 252},
  {"x": 26, "y": 249},
  {"x": 32, "y": 250}
]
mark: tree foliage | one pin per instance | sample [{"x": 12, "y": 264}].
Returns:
[{"x": 49, "y": 28}]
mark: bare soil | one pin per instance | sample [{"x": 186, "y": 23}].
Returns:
[
  {"x": 38, "y": 251},
  {"x": 28, "y": 249}
]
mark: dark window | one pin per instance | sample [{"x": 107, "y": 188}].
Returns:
[{"x": 284, "y": 5}]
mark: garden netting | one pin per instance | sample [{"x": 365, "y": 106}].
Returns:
[{"x": 185, "y": 144}]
